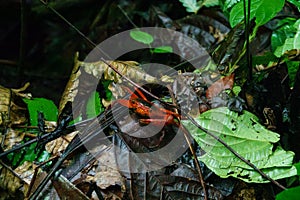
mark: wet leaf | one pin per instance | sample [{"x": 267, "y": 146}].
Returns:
[
  {"x": 247, "y": 137},
  {"x": 141, "y": 36},
  {"x": 262, "y": 10}
]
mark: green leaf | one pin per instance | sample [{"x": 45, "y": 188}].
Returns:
[
  {"x": 290, "y": 43},
  {"x": 296, "y": 3},
  {"x": 229, "y": 3},
  {"x": 297, "y": 165},
  {"x": 141, "y": 36},
  {"x": 94, "y": 106},
  {"x": 262, "y": 10},
  {"x": 292, "y": 70},
  {"x": 236, "y": 90},
  {"x": 163, "y": 49},
  {"x": 289, "y": 194},
  {"x": 246, "y": 136},
  {"x": 285, "y": 30},
  {"x": 47, "y": 107},
  {"x": 190, "y": 5},
  {"x": 210, "y": 3}
]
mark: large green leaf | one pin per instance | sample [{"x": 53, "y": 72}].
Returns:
[
  {"x": 46, "y": 106},
  {"x": 246, "y": 136},
  {"x": 262, "y": 10},
  {"x": 290, "y": 43},
  {"x": 290, "y": 194}
]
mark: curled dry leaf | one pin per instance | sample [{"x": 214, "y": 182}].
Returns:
[
  {"x": 81, "y": 83},
  {"x": 13, "y": 111}
]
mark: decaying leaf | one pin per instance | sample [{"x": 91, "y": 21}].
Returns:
[
  {"x": 13, "y": 110},
  {"x": 107, "y": 173},
  {"x": 60, "y": 143},
  {"x": 85, "y": 77},
  {"x": 66, "y": 190},
  {"x": 220, "y": 85},
  {"x": 25, "y": 171},
  {"x": 12, "y": 137},
  {"x": 10, "y": 181}
]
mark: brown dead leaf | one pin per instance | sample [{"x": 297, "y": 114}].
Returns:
[
  {"x": 11, "y": 138},
  {"x": 60, "y": 144},
  {"x": 220, "y": 85},
  {"x": 85, "y": 76},
  {"x": 66, "y": 190},
  {"x": 107, "y": 173},
  {"x": 13, "y": 111},
  {"x": 25, "y": 171},
  {"x": 11, "y": 181}
]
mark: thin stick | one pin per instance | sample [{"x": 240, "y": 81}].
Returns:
[{"x": 186, "y": 135}]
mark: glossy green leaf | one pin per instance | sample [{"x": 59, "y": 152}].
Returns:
[
  {"x": 292, "y": 71},
  {"x": 229, "y": 3},
  {"x": 297, "y": 165},
  {"x": 163, "y": 49},
  {"x": 290, "y": 43},
  {"x": 236, "y": 90},
  {"x": 285, "y": 30},
  {"x": 245, "y": 135},
  {"x": 190, "y": 5},
  {"x": 262, "y": 10},
  {"x": 46, "y": 106},
  {"x": 94, "y": 106},
  {"x": 289, "y": 194},
  {"x": 141, "y": 36}
]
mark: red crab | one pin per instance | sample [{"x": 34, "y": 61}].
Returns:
[{"x": 149, "y": 112}]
